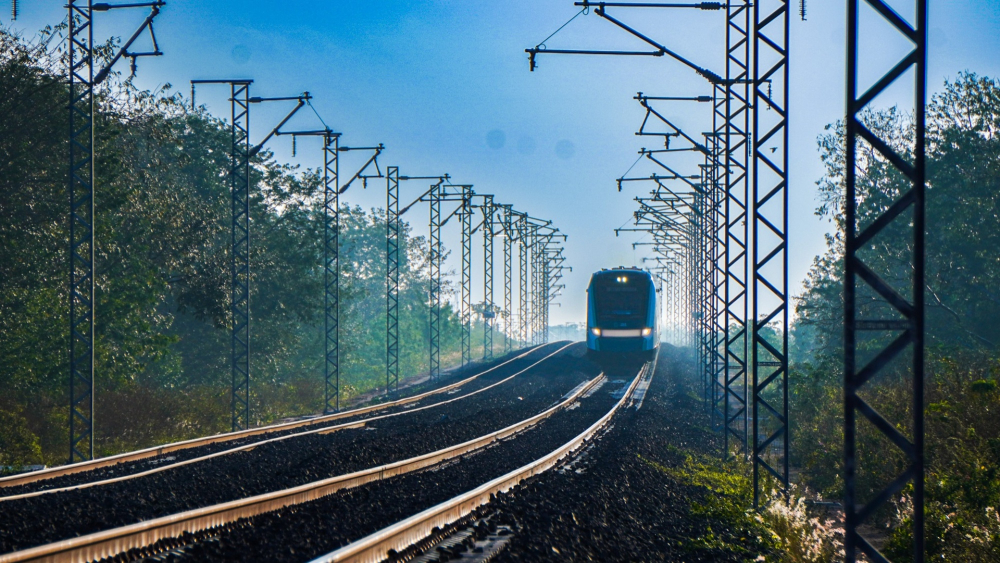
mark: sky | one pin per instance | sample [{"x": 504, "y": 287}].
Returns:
[{"x": 445, "y": 86}]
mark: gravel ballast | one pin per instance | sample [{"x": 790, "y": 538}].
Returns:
[
  {"x": 312, "y": 529},
  {"x": 615, "y": 504},
  {"x": 39, "y": 520},
  {"x": 145, "y": 464}
]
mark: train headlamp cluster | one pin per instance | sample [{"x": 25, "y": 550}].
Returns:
[
  {"x": 622, "y": 279},
  {"x": 596, "y": 331},
  {"x": 647, "y": 331}
]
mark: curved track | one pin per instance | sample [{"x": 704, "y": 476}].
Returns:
[
  {"x": 317, "y": 457},
  {"x": 153, "y": 460},
  {"x": 404, "y": 535},
  {"x": 387, "y": 508}
]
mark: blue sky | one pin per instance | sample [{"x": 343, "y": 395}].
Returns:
[{"x": 437, "y": 81}]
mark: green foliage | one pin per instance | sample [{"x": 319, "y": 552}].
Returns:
[
  {"x": 162, "y": 272},
  {"x": 18, "y": 445},
  {"x": 962, "y": 433},
  {"x": 722, "y": 493}
]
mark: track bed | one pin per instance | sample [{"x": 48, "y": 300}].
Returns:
[
  {"x": 44, "y": 519},
  {"x": 309, "y": 530},
  {"x": 501, "y": 368}
]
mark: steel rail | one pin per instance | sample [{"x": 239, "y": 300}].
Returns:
[
  {"x": 109, "y": 543},
  {"x": 154, "y": 451},
  {"x": 248, "y": 447},
  {"x": 375, "y": 547}
]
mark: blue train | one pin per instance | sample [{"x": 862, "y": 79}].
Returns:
[{"x": 622, "y": 319}]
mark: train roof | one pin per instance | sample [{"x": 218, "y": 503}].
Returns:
[{"x": 621, "y": 270}]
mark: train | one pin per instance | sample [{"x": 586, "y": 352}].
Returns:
[{"x": 622, "y": 319}]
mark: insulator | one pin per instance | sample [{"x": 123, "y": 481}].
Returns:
[{"x": 293, "y": 144}]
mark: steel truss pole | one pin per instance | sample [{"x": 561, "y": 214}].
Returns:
[
  {"x": 331, "y": 251},
  {"x": 239, "y": 185},
  {"x": 770, "y": 433},
  {"x": 239, "y": 257},
  {"x": 697, "y": 286},
  {"x": 898, "y": 321},
  {"x": 523, "y": 251},
  {"x": 331, "y": 264},
  {"x": 392, "y": 279},
  {"x": 488, "y": 310},
  {"x": 736, "y": 170},
  {"x": 533, "y": 288},
  {"x": 466, "y": 276},
  {"x": 545, "y": 301},
  {"x": 435, "y": 289},
  {"x": 536, "y": 284},
  {"x": 715, "y": 292},
  {"x": 81, "y": 231},
  {"x": 716, "y": 266},
  {"x": 82, "y": 213},
  {"x": 532, "y": 273},
  {"x": 239, "y": 179},
  {"x": 507, "y": 242},
  {"x": 523, "y": 274}
]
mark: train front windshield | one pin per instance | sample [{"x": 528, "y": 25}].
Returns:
[{"x": 621, "y": 298}]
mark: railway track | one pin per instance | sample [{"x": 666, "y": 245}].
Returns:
[
  {"x": 307, "y": 531},
  {"x": 407, "y": 538},
  {"x": 114, "y": 467},
  {"x": 133, "y": 538},
  {"x": 266, "y": 468}
]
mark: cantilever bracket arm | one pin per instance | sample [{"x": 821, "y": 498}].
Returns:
[
  {"x": 709, "y": 75},
  {"x": 103, "y": 74},
  {"x": 535, "y": 50},
  {"x": 680, "y": 177},
  {"x": 374, "y": 159},
  {"x": 455, "y": 212},
  {"x": 679, "y": 131},
  {"x": 440, "y": 179},
  {"x": 305, "y": 97}
]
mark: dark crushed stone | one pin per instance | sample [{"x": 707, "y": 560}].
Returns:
[
  {"x": 138, "y": 466},
  {"x": 309, "y": 530},
  {"x": 36, "y": 521},
  {"x": 619, "y": 508}
]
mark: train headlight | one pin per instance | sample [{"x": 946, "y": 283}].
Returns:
[
  {"x": 596, "y": 331},
  {"x": 647, "y": 331}
]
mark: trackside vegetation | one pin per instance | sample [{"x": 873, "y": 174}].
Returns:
[
  {"x": 963, "y": 336},
  {"x": 962, "y": 389},
  {"x": 162, "y": 274}
]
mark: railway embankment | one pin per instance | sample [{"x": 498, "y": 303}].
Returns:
[{"x": 43, "y": 519}]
